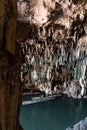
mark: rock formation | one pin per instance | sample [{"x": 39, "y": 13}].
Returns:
[
  {"x": 53, "y": 37},
  {"x": 57, "y": 47},
  {"x": 82, "y": 125},
  {"x": 10, "y": 62}
]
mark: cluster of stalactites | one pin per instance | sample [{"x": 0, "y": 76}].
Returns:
[
  {"x": 51, "y": 59},
  {"x": 56, "y": 57},
  {"x": 65, "y": 12}
]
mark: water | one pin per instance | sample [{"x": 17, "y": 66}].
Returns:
[{"x": 53, "y": 115}]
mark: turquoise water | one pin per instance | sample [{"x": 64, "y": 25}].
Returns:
[{"x": 53, "y": 115}]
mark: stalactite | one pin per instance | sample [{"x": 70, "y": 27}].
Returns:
[{"x": 59, "y": 47}]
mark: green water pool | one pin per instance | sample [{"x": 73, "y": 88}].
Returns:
[{"x": 57, "y": 114}]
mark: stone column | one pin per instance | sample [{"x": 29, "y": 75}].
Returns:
[
  {"x": 10, "y": 91},
  {"x": 10, "y": 65}
]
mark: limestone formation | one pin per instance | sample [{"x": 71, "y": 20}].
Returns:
[{"x": 59, "y": 47}]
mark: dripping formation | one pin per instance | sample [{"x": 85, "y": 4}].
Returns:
[{"x": 55, "y": 55}]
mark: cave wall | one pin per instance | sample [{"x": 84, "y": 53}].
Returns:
[
  {"x": 61, "y": 25},
  {"x": 10, "y": 62}
]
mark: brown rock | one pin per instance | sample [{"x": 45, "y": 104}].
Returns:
[{"x": 10, "y": 85}]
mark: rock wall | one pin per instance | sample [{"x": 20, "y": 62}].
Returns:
[
  {"x": 55, "y": 56},
  {"x": 10, "y": 91},
  {"x": 10, "y": 62}
]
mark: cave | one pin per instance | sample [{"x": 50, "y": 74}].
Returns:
[{"x": 56, "y": 30}]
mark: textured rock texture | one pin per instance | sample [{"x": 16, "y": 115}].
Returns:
[
  {"x": 41, "y": 11},
  {"x": 82, "y": 125},
  {"x": 10, "y": 91},
  {"x": 10, "y": 85},
  {"x": 57, "y": 46}
]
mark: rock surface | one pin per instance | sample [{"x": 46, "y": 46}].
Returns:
[
  {"x": 58, "y": 45},
  {"x": 10, "y": 62},
  {"x": 82, "y": 125}
]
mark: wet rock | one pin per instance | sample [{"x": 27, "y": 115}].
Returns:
[{"x": 82, "y": 125}]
